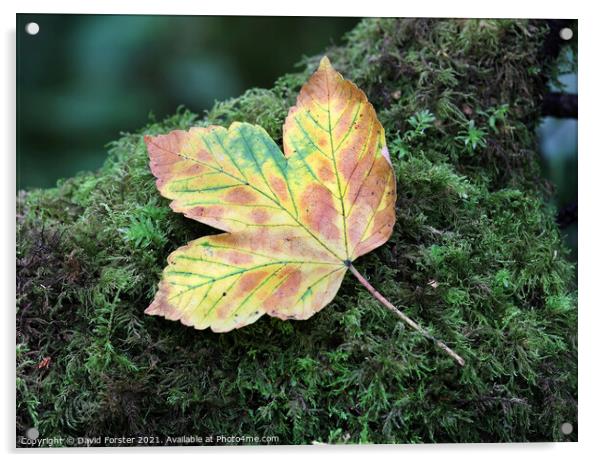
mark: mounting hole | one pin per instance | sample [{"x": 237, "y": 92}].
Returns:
[
  {"x": 32, "y": 28},
  {"x": 566, "y": 33},
  {"x": 566, "y": 428}
]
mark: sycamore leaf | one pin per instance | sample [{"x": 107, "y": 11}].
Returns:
[{"x": 294, "y": 221}]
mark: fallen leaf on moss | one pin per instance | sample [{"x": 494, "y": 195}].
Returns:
[{"x": 294, "y": 221}]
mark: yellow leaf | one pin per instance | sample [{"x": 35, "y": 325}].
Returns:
[{"x": 294, "y": 221}]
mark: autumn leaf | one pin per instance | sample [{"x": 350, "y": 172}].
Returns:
[{"x": 294, "y": 221}]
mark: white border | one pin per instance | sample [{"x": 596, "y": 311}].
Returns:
[{"x": 440, "y": 8}]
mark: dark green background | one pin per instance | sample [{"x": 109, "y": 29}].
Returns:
[{"x": 83, "y": 79}]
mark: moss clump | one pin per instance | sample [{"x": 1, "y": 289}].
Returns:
[{"x": 475, "y": 257}]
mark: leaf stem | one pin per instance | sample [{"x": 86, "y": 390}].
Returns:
[{"x": 405, "y": 318}]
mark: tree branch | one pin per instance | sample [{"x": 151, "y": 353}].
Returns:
[{"x": 560, "y": 105}]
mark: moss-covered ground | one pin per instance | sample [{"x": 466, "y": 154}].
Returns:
[{"x": 475, "y": 256}]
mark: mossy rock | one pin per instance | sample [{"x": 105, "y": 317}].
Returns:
[{"x": 475, "y": 256}]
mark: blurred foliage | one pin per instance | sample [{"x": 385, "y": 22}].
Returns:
[
  {"x": 85, "y": 78},
  {"x": 475, "y": 256},
  {"x": 558, "y": 146}
]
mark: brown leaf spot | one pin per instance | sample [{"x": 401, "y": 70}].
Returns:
[
  {"x": 240, "y": 195},
  {"x": 317, "y": 86},
  {"x": 192, "y": 169},
  {"x": 348, "y": 162},
  {"x": 260, "y": 216},
  {"x": 325, "y": 172},
  {"x": 291, "y": 285},
  {"x": 319, "y": 211},
  {"x": 198, "y": 211},
  {"x": 344, "y": 122},
  {"x": 249, "y": 281},
  {"x": 292, "y": 280},
  {"x": 238, "y": 258},
  {"x": 213, "y": 211},
  {"x": 279, "y": 187}
]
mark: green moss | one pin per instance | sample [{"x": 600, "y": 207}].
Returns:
[{"x": 475, "y": 257}]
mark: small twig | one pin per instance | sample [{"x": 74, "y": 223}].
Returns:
[{"x": 406, "y": 319}]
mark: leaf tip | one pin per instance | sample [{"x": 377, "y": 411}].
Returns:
[
  {"x": 161, "y": 306},
  {"x": 325, "y": 63}
]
